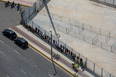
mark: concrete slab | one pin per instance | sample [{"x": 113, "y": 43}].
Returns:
[{"x": 96, "y": 15}]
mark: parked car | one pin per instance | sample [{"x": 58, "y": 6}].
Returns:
[
  {"x": 21, "y": 42},
  {"x": 9, "y": 33}
]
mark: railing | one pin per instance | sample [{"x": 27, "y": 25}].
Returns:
[
  {"x": 97, "y": 36},
  {"x": 111, "y": 3}
]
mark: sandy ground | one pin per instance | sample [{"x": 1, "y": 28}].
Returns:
[{"x": 90, "y": 13}]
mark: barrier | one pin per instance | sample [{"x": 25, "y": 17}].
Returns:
[{"x": 111, "y": 3}]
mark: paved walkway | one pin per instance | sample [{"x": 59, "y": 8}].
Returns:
[{"x": 45, "y": 48}]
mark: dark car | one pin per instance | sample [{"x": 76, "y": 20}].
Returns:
[
  {"x": 21, "y": 42},
  {"x": 9, "y": 33}
]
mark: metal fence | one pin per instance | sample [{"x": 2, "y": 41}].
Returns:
[
  {"x": 64, "y": 48},
  {"x": 90, "y": 34},
  {"x": 111, "y": 3}
]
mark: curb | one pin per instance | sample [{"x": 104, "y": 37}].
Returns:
[
  {"x": 16, "y": 3},
  {"x": 53, "y": 61}
]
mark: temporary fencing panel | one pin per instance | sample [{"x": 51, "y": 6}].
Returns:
[
  {"x": 84, "y": 59},
  {"x": 48, "y": 33},
  {"x": 98, "y": 70},
  {"x": 94, "y": 30},
  {"x": 87, "y": 27},
  {"x": 109, "y": 1},
  {"x": 101, "y": 0},
  {"x": 77, "y": 53},
  {"x": 106, "y": 74},
  {"x": 69, "y": 48},
  {"x": 38, "y": 3},
  {"x": 61, "y": 28},
  {"x": 105, "y": 46},
  {"x": 113, "y": 47},
  {"x": 62, "y": 43},
  {"x": 56, "y": 39},
  {"x": 90, "y": 65},
  {"x": 31, "y": 10},
  {"x": 81, "y": 25},
  {"x": 114, "y": 2},
  {"x": 26, "y": 13},
  {"x": 35, "y": 25},
  {"x": 112, "y": 75},
  {"x": 105, "y": 32}
]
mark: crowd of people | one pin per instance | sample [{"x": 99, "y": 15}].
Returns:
[
  {"x": 61, "y": 48},
  {"x": 13, "y": 4}
]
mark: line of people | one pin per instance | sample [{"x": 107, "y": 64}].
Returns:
[
  {"x": 13, "y": 4},
  {"x": 77, "y": 60}
]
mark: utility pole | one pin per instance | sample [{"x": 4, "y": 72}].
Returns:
[{"x": 52, "y": 57}]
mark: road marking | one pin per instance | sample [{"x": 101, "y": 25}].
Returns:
[
  {"x": 4, "y": 43},
  {"x": 32, "y": 62},
  {"x": 8, "y": 76},
  {"x": 2, "y": 53},
  {"x": 49, "y": 74},
  {"x": 17, "y": 52},
  {"x": 35, "y": 65},
  {"x": 23, "y": 71},
  {"x": 1, "y": 41}
]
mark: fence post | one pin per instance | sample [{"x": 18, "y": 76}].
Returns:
[
  {"x": 58, "y": 42},
  {"x": 90, "y": 28},
  {"x": 101, "y": 45},
  {"x": 83, "y": 38},
  {"x": 66, "y": 31},
  {"x": 101, "y": 72},
  {"x": 74, "y": 34},
  {"x": 100, "y": 31},
  {"x": 72, "y": 49},
  {"x": 113, "y": 3},
  {"x": 94, "y": 67},
  {"x": 109, "y": 34},
  {"x": 32, "y": 23},
  {"x": 105, "y": 1},
  {"x": 79, "y": 55},
  {"x": 111, "y": 49},
  {"x": 35, "y": 7},
  {"x": 86, "y": 63},
  {"x": 26, "y": 21},
  {"x": 65, "y": 45},
  {"x": 29, "y": 12},
  {"x": 61, "y": 18},
  {"x": 110, "y": 74},
  {"x": 97, "y": 0},
  {"x": 45, "y": 32}
]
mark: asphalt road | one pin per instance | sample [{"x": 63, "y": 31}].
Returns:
[
  {"x": 8, "y": 17},
  {"x": 16, "y": 62}
]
